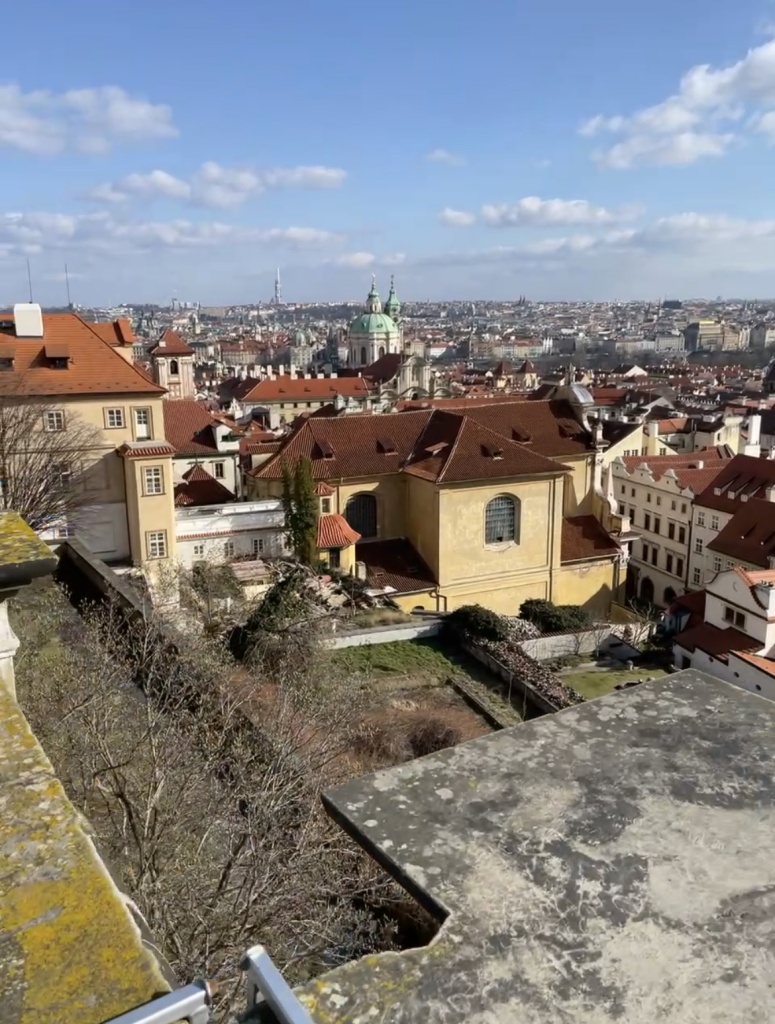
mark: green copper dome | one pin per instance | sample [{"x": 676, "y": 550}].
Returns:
[{"x": 373, "y": 323}]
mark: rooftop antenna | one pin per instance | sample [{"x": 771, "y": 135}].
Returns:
[
  {"x": 67, "y": 285},
  {"x": 29, "y": 277}
]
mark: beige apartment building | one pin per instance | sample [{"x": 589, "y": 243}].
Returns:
[
  {"x": 81, "y": 373},
  {"x": 656, "y": 493}
]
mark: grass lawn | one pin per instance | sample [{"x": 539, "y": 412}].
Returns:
[
  {"x": 593, "y": 681},
  {"x": 404, "y": 658}
]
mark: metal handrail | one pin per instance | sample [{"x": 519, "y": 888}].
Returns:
[
  {"x": 263, "y": 979},
  {"x": 191, "y": 1003}
]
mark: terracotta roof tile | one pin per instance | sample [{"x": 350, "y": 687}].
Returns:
[
  {"x": 189, "y": 427},
  {"x": 144, "y": 449},
  {"x": 171, "y": 344},
  {"x": 396, "y": 564},
  {"x": 323, "y": 490},
  {"x": 467, "y": 447},
  {"x": 316, "y": 389},
  {"x": 763, "y": 664},
  {"x": 200, "y": 488},
  {"x": 93, "y": 365},
  {"x": 354, "y": 442},
  {"x": 114, "y": 332},
  {"x": 694, "y": 470},
  {"x": 584, "y": 538},
  {"x": 715, "y": 641},
  {"x": 454, "y": 448},
  {"x": 744, "y": 476},
  {"x": 335, "y": 532},
  {"x": 749, "y": 536}
]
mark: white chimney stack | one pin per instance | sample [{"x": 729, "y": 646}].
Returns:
[
  {"x": 753, "y": 446},
  {"x": 28, "y": 320}
]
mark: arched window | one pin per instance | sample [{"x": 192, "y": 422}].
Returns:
[
  {"x": 174, "y": 368},
  {"x": 501, "y": 520},
  {"x": 381, "y": 351},
  {"x": 669, "y": 596},
  {"x": 363, "y": 355},
  {"x": 361, "y": 513},
  {"x": 646, "y": 591}
]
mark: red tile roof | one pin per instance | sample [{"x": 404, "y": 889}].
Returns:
[
  {"x": 171, "y": 344},
  {"x": 749, "y": 536},
  {"x": 716, "y": 642},
  {"x": 583, "y": 538},
  {"x": 763, "y": 664},
  {"x": 316, "y": 389},
  {"x": 190, "y": 427},
  {"x": 322, "y": 489},
  {"x": 144, "y": 449},
  {"x": 454, "y": 448},
  {"x": 354, "y": 441},
  {"x": 93, "y": 365},
  {"x": 115, "y": 332},
  {"x": 694, "y": 471},
  {"x": 694, "y": 604},
  {"x": 550, "y": 427},
  {"x": 384, "y": 369},
  {"x": 437, "y": 445},
  {"x": 396, "y": 564},
  {"x": 200, "y": 488},
  {"x": 744, "y": 475},
  {"x": 335, "y": 532}
]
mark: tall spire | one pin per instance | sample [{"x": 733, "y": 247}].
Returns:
[
  {"x": 392, "y": 306},
  {"x": 373, "y": 305}
]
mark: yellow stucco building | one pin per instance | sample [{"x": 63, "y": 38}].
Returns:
[
  {"x": 491, "y": 505},
  {"x": 80, "y": 379}
]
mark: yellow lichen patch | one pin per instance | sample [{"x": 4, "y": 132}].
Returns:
[
  {"x": 73, "y": 950},
  {"x": 18, "y": 543}
]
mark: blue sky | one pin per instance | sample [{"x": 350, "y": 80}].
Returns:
[{"x": 475, "y": 148}]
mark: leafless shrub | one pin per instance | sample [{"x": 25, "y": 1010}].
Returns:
[{"x": 432, "y": 736}]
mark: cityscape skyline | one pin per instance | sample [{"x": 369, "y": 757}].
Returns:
[{"x": 475, "y": 164}]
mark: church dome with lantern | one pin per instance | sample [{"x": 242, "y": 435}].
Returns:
[{"x": 374, "y": 332}]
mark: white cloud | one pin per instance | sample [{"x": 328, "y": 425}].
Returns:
[
  {"x": 457, "y": 218},
  {"x": 356, "y": 260},
  {"x": 710, "y": 109},
  {"x": 87, "y": 120},
  {"x": 443, "y": 156},
  {"x": 214, "y": 185},
  {"x": 531, "y": 210},
  {"x": 361, "y": 260},
  {"x": 28, "y": 233}
]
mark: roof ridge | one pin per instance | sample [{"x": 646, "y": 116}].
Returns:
[{"x": 113, "y": 351}]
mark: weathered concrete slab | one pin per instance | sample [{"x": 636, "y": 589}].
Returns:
[
  {"x": 69, "y": 949},
  {"x": 609, "y": 863}
]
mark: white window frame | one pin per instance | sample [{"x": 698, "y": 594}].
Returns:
[
  {"x": 156, "y": 544},
  {"x": 219, "y": 470},
  {"x": 714, "y": 522},
  {"x": 199, "y": 550},
  {"x": 115, "y": 419},
  {"x": 700, "y": 518},
  {"x": 697, "y": 577},
  {"x": 228, "y": 549},
  {"x": 58, "y": 418},
  {"x": 151, "y": 479},
  {"x": 257, "y": 546},
  {"x": 142, "y": 435}
]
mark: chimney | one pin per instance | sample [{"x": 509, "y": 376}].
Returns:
[
  {"x": 28, "y": 320},
  {"x": 753, "y": 446},
  {"x": 652, "y": 428}
]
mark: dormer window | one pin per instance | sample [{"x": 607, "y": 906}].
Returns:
[
  {"x": 386, "y": 445},
  {"x": 6, "y": 358},
  {"x": 57, "y": 356},
  {"x": 492, "y": 451},
  {"x": 326, "y": 449}
]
